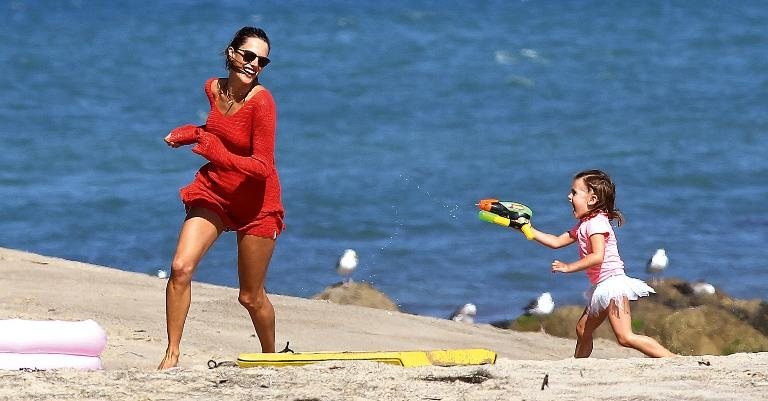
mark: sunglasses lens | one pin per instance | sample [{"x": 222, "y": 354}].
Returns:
[{"x": 249, "y": 56}]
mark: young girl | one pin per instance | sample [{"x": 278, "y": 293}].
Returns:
[{"x": 592, "y": 197}]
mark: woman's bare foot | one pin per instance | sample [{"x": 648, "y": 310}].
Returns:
[{"x": 170, "y": 360}]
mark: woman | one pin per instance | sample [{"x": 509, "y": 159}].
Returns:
[{"x": 237, "y": 190}]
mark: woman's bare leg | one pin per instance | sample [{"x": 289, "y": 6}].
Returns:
[
  {"x": 200, "y": 230},
  {"x": 621, "y": 322},
  {"x": 586, "y": 325},
  {"x": 254, "y": 254}
]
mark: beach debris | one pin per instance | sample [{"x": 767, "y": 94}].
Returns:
[
  {"x": 30, "y": 370},
  {"x": 545, "y": 381},
  {"x": 474, "y": 377},
  {"x": 465, "y": 313},
  {"x": 347, "y": 264},
  {"x": 213, "y": 364},
  {"x": 161, "y": 273},
  {"x": 657, "y": 264},
  {"x": 286, "y": 349},
  {"x": 704, "y": 362}
]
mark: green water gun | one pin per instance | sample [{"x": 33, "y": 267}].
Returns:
[{"x": 507, "y": 214}]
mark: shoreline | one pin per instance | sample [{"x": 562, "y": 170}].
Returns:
[{"x": 130, "y": 307}]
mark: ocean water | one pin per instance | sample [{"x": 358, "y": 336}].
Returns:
[{"x": 394, "y": 118}]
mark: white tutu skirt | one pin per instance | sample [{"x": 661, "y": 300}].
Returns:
[{"x": 615, "y": 289}]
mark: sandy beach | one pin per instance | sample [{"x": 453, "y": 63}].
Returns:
[{"x": 130, "y": 307}]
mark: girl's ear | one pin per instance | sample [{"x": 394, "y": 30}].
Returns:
[{"x": 592, "y": 200}]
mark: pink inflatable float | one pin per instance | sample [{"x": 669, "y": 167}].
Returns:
[{"x": 51, "y": 344}]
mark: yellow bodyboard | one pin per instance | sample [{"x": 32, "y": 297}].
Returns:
[{"x": 445, "y": 357}]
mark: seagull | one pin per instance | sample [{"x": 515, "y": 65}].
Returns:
[
  {"x": 657, "y": 264},
  {"x": 466, "y": 313},
  {"x": 161, "y": 273},
  {"x": 346, "y": 265},
  {"x": 540, "y": 307},
  {"x": 702, "y": 288}
]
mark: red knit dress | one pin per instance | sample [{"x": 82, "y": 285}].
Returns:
[{"x": 240, "y": 182}]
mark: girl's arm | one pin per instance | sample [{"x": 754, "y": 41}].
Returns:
[
  {"x": 595, "y": 258},
  {"x": 552, "y": 241}
]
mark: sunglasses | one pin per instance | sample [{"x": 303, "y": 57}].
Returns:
[{"x": 249, "y": 56}]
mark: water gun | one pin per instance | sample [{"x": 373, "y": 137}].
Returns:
[{"x": 507, "y": 214}]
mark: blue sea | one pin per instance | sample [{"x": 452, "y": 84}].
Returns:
[{"x": 394, "y": 119}]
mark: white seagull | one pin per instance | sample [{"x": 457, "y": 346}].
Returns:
[
  {"x": 703, "y": 288},
  {"x": 347, "y": 264},
  {"x": 540, "y": 307},
  {"x": 466, "y": 313},
  {"x": 657, "y": 264}
]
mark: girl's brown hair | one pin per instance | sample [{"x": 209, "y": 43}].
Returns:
[{"x": 601, "y": 185}]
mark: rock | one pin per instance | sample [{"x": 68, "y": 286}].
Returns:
[
  {"x": 357, "y": 293},
  {"x": 743, "y": 309},
  {"x": 760, "y": 319},
  {"x": 709, "y": 330}
]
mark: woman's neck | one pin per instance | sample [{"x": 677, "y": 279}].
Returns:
[{"x": 238, "y": 88}]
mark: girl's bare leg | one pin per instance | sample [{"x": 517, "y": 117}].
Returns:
[
  {"x": 254, "y": 254},
  {"x": 586, "y": 325},
  {"x": 200, "y": 230},
  {"x": 621, "y": 322}
]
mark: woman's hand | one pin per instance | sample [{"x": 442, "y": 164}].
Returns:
[
  {"x": 558, "y": 266},
  {"x": 170, "y": 143},
  {"x": 184, "y": 135}
]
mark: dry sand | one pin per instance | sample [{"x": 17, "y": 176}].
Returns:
[{"x": 130, "y": 307}]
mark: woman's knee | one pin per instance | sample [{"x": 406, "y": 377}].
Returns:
[
  {"x": 253, "y": 301},
  {"x": 181, "y": 271}
]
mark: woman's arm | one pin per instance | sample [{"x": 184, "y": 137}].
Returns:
[
  {"x": 597, "y": 241},
  {"x": 184, "y": 135},
  {"x": 260, "y": 164}
]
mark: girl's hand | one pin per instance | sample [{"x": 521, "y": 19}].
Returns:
[{"x": 558, "y": 266}]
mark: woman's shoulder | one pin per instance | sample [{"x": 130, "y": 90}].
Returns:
[
  {"x": 263, "y": 96},
  {"x": 209, "y": 85}
]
